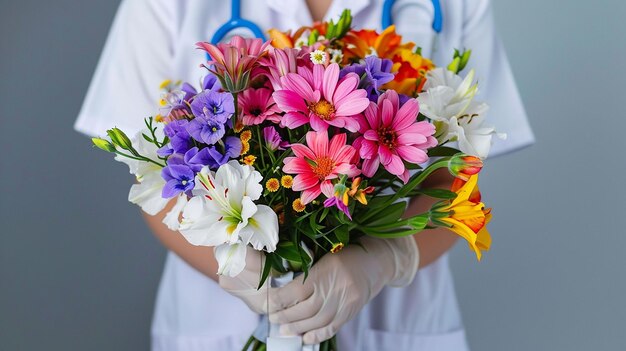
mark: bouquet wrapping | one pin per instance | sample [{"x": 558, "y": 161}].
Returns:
[{"x": 302, "y": 145}]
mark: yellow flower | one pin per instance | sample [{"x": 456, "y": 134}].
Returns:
[
  {"x": 286, "y": 181},
  {"x": 336, "y": 248},
  {"x": 238, "y": 126},
  {"x": 246, "y": 135},
  {"x": 249, "y": 160},
  {"x": 298, "y": 206},
  {"x": 245, "y": 147},
  {"x": 467, "y": 215},
  {"x": 359, "y": 194},
  {"x": 272, "y": 185}
]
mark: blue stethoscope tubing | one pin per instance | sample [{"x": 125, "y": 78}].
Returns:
[{"x": 236, "y": 21}]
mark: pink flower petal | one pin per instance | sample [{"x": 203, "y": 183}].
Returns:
[
  {"x": 387, "y": 113},
  {"x": 347, "y": 85},
  {"x": 331, "y": 77},
  {"x": 410, "y": 138},
  {"x": 412, "y": 154},
  {"x": 306, "y": 73},
  {"x": 385, "y": 155},
  {"x": 298, "y": 85},
  {"x": 293, "y": 120},
  {"x": 371, "y": 135},
  {"x": 371, "y": 114},
  {"x": 368, "y": 149},
  {"x": 317, "y": 124},
  {"x": 336, "y": 143},
  {"x": 327, "y": 188},
  {"x": 423, "y": 127},
  {"x": 296, "y": 165},
  {"x": 310, "y": 195},
  {"x": 347, "y": 169},
  {"x": 344, "y": 154},
  {"x": 370, "y": 166},
  {"x": 288, "y": 100},
  {"x": 318, "y": 77},
  {"x": 305, "y": 181},
  {"x": 318, "y": 142},
  {"x": 302, "y": 151},
  {"x": 407, "y": 115},
  {"x": 395, "y": 166},
  {"x": 354, "y": 103},
  {"x": 404, "y": 176}
]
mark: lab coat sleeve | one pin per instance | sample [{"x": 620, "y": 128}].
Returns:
[
  {"x": 136, "y": 57},
  {"x": 496, "y": 83}
]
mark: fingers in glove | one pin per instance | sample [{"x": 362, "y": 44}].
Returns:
[
  {"x": 302, "y": 310},
  {"x": 317, "y": 336},
  {"x": 318, "y": 321},
  {"x": 289, "y": 295}
]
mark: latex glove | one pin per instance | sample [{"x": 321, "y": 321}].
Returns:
[
  {"x": 245, "y": 284},
  {"x": 339, "y": 285}
]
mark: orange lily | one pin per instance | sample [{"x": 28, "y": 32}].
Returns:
[{"x": 467, "y": 215}]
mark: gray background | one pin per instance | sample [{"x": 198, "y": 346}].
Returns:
[{"x": 79, "y": 270}]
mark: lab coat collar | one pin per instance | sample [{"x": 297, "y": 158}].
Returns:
[{"x": 298, "y": 8}]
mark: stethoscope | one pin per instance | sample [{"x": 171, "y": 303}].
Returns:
[{"x": 236, "y": 21}]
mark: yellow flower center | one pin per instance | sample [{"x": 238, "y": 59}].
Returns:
[
  {"x": 298, "y": 206},
  {"x": 272, "y": 185},
  {"x": 323, "y": 109},
  {"x": 323, "y": 167},
  {"x": 249, "y": 160},
  {"x": 286, "y": 181}
]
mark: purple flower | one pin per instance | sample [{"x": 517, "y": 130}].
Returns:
[
  {"x": 335, "y": 201},
  {"x": 213, "y": 105},
  {"x": 180, "y": 140},
  {"x": 374, "y": 73},
  {"x": 206, "y": 130},
  {"x": 178, "y": 179},
  {"x": 212, "y": 156},
  {"x": 210, "y": 82},
  {"x": 273, "y": 139}
]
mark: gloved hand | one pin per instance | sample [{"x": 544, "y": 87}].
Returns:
[
  {"x": 245, "y": 284},
  {"x": 339, "y": 285}
]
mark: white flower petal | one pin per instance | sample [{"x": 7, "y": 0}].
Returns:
[
  {"x": 264, "y": 225},
  {"x": 231, "y": 259},
  {"x": 200, "y": 226},
  {"x": 147, "y": 194},
  {"x": 171, "y": 219}
]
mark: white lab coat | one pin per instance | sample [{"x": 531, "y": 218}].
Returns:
[{"x": 154, "y": 39}]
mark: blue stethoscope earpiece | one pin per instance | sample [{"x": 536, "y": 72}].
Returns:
[
  {"x": 237, "y": 22},
  {"x": 387, "y": 19}
]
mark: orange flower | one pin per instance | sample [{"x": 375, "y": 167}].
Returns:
[
  {"x": 361, "y": 43},
  {"x": 466, "y": 215}
]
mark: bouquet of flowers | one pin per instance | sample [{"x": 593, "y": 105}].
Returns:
[{"x": 301, "y": 145}]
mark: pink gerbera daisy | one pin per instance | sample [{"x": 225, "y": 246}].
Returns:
[
  {"x": 318, "y": 97},
  {"x": 391, "y": 134},
  {"x": 257, "y": 105},
  {"x": 318, "y": 162}
]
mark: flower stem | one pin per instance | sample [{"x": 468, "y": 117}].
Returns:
[{"x": 139, "y": 158}]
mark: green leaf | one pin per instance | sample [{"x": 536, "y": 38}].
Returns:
[
  {"x": 438, "y": 193},
  {"x": 442, "y": 151},
  {"x": 342, "y": 233},
  {"x": 288, "y": 251},
  {"x": 389, "y": 214},
  {"x": 267, "y": 267}
]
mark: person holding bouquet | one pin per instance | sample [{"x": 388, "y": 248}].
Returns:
[{"x": 398, "y": 293}]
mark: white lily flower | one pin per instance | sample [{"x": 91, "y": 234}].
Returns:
[
  {"x": 171, "y": 219},
  {"x": 448, "y": 101},
  {"x": 231, "y": 259},
  {"x": 147, "y": 193},
  {"x": 223, "y": 212}
]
